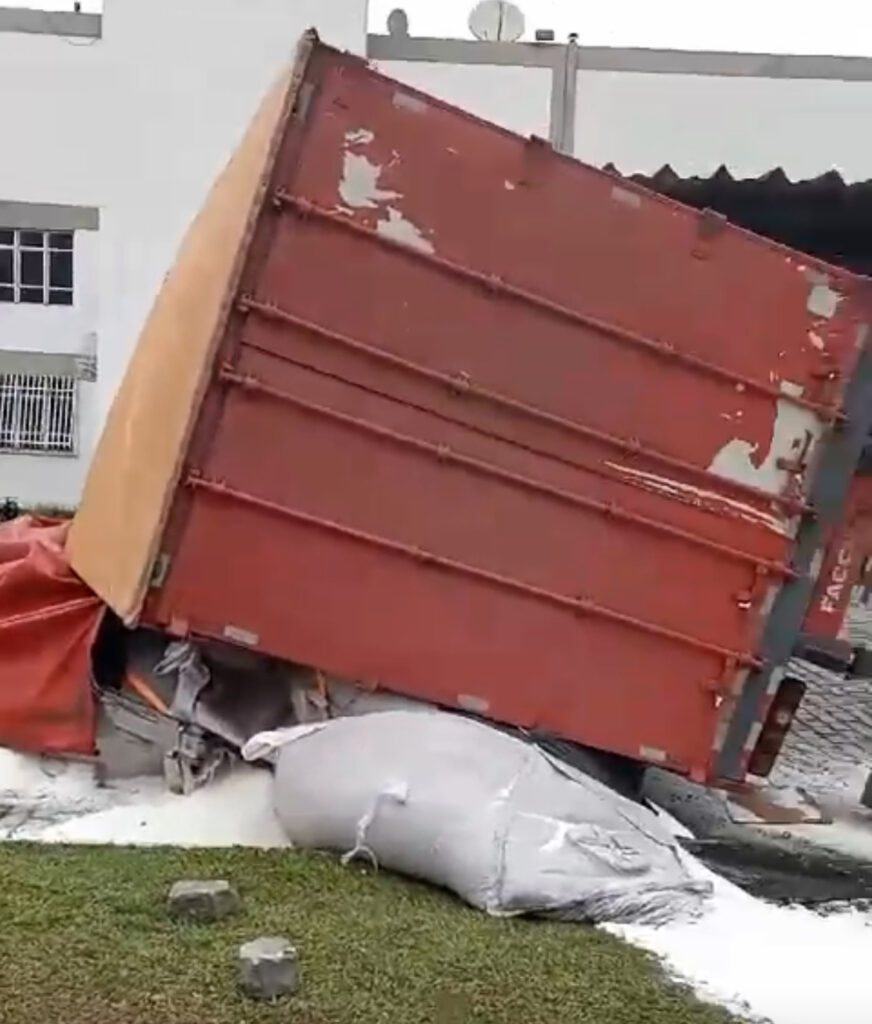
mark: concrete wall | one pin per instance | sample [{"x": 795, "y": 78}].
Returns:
[
  {"x": 183, "y": 78},
  {"x": 516, "y": 98},
  {"x": 134, "y": 114},
  {"x": 696, "y": 123},
  {"x": 51, "y": 86}
]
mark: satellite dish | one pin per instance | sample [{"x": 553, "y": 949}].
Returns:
[{"x": 496, "y": 21}]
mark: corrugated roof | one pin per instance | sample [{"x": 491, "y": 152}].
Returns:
[
  {"x": 824, "y": 216},
  {"x": 774, "y": 183},
  {"x": 695, "y": 123}
]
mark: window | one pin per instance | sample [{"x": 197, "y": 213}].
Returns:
[
  {"x": 36, "y": 267},
  {"x": 37, "y": 413}
]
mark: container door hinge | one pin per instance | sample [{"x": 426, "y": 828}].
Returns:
[{"x": 160, "y": 571}]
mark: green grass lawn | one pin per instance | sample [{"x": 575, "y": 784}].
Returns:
[{"x": 85, "y": 939}]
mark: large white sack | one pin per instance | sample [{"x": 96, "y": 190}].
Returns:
[{"x": 465, "y": 806}]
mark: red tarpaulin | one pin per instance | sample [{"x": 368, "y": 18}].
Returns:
[{"x": 48, "y": 621}]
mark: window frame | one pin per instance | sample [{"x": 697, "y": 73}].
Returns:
[{"x": 17, "y": 285}]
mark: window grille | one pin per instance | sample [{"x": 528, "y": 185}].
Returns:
[{"x": 37, "y": 413}]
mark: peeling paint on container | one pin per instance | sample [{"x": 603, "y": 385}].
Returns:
[
  {"x": 653, "y": 754},
  {"x": 360, "y": 137},
  {"x": 241, "y": 636},
  {"x": 816, "y": 340},
  {"x": 714, "y": 501},
  {"x": 360, "y": 190},
  {"x": 469, "y": 702},
  {"x": 406, "y": 101},
  {"x": 796, "y": 431},
  {"x": 402, "y": 230},
  {"x": 626, "y": 197},
  {"x": 359, "y": 187},
  {"x": 823, "y": 299}
]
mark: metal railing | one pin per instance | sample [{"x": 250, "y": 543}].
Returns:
[{"x": 38, "y": 413}]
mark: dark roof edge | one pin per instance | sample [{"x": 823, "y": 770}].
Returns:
[{"x": 777, "y": 178}]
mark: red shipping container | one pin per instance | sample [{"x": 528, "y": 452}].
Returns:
[{"x": 432, "y": 407}]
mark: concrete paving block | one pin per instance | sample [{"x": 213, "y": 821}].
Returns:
[
  {"x": 202, "y": 900},
  {"x": 268, "y": 968}
]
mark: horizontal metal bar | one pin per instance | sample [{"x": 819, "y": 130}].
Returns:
[
  {"x": 622, "y": 335},
  {"x": 641, "y": 60},
  {"x": 724, "y": 64},
  {"x": 51, "y": 23},
  {"x": 595, "y": 467},
  {"x": 462, "y": 51},
  {"x": 576, "y": 605},
  {"x": 48, "y": 216},
  {"x": 445, "y": 454},
  {"x": 468, "y": 389}
]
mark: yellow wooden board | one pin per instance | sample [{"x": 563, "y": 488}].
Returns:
[{"x": 114, "y": 538}]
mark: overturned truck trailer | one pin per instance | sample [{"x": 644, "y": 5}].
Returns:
[{"x": 433, "y": 408}]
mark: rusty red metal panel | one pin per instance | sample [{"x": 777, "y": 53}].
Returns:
[{"x": 502, "y": 431}]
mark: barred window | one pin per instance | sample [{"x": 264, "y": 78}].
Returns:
[
  {"x": 37, "y": 413},
  {"x": 36, "y": 267}
]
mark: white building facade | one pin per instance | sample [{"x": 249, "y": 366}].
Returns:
[{"x": 117, "y": 124}]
